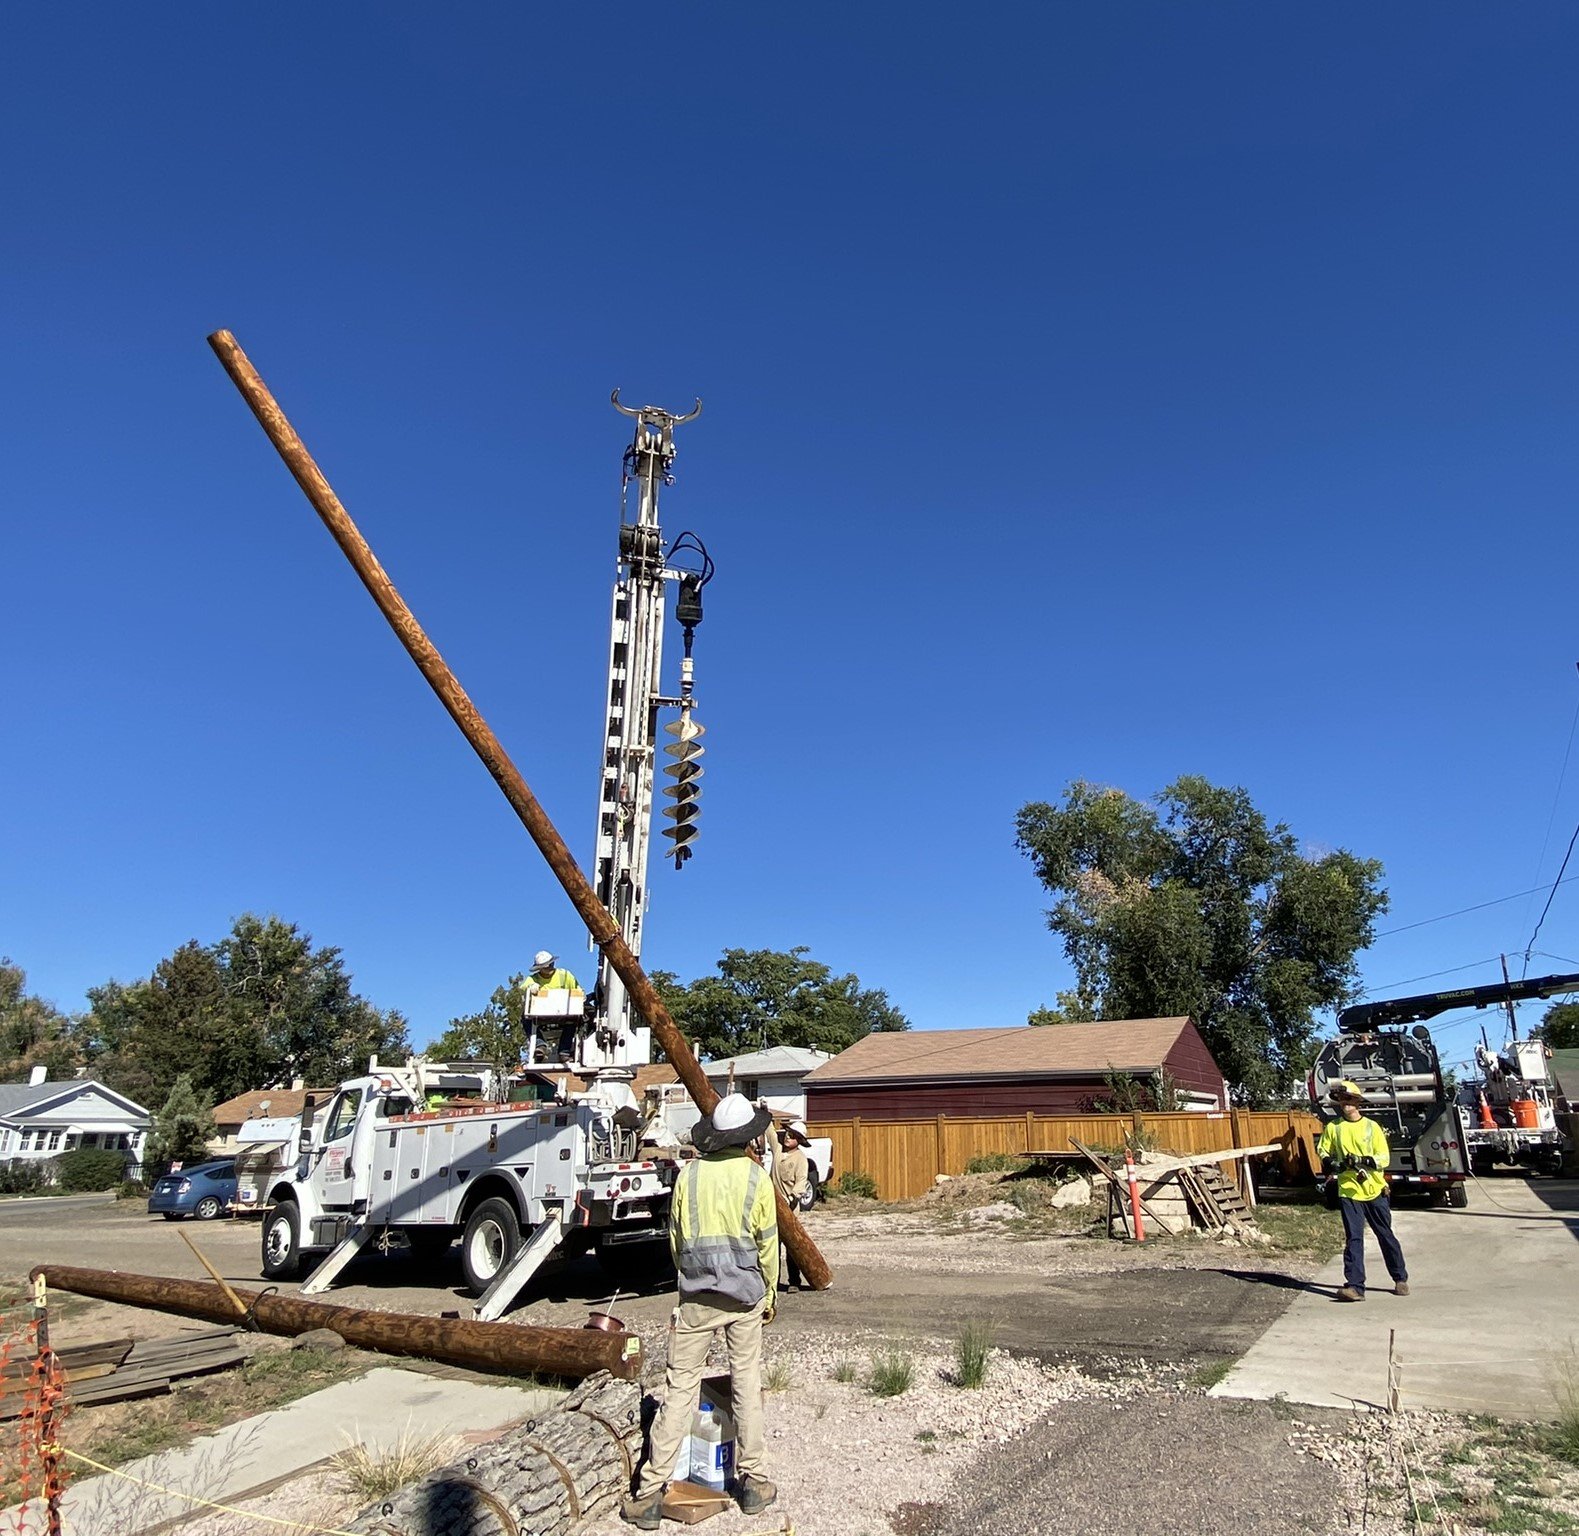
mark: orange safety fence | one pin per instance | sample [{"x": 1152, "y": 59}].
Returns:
[
  {"x": 32, "y": 1406},
  {"x": 905, "y": 1157}
]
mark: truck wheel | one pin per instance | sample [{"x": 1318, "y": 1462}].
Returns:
[
  {"x": 813, "y": 1189},
  {"x": 493, "y": 1233},
  {"x": 1458, "y": 1195},
  {"x": 282, "y": 1242}
]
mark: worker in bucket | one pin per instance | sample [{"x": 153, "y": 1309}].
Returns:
[
  {"x": 792, "y": 1178},
  {"x": 724, "y": 1235},
  {"x": 1353, "y": 1148},
  {"x": 548, "y": 976}
]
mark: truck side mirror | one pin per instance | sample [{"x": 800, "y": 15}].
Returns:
[{"x": 304, "y": 1138}]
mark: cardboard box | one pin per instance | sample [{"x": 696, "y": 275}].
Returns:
[{"x": 690, "y": 1504}]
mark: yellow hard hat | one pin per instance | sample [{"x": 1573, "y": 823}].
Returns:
[{"x": 1345, "y": 1088}]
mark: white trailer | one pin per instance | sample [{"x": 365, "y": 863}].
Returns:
[{"x": 508, "y": 1157}]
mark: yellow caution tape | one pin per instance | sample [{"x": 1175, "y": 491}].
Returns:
[{"x": 192, "y": 1498}]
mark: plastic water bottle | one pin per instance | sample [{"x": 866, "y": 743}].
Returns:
[{"x": 712, "y": 1445}]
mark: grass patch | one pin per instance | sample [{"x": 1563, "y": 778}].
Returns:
[
  {"x": 972, "y": 1352},
  {"x": 844, "y": 1370},
  {"x": 1307, "y": 1229},
  {"x": 119, "y": 1432},
  {"x": 861, "y": 1186},
  {"x": 778, "y": 1377},
  {"x": 375, "y": 1472},
  {"x": 995, "y": 1162},
  {"x": 892, "y": 1374},
  {"x": 1209, "y": 1375},
  {"x": 1562, "y": 1440}
]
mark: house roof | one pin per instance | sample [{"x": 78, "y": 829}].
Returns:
[
  {"x": 1058, "y": 1050},
  {"x": 29, "y": 1098},
  {"x": 282, "y": 1103},
  {"x": 15, "y": 1096},
  {"x": 776, "y": 1061}
]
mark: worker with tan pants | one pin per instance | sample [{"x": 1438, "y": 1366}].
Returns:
[{"x": 724, "y": 1235}]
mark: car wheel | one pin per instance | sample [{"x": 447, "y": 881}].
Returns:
[
  {"x": 493, "y": 1233},
  {"x": 282, "y": 1242},
  {"x": 813, "y": 1188},
  {"x": 207, "y": 1208}
]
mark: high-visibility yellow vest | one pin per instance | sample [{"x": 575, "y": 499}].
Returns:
[
  {"x": 560, "y": 981},
  {"x": 724, "y": 1230},
  {"x": 1356, "y": 1138}
]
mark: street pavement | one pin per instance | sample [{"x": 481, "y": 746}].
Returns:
[{"x": 1492, "y": 1313}]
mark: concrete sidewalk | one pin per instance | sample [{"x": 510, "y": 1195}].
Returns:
[
  {"x": 375, "y": 1409},
  {"x": 1493, "y": 1304}
]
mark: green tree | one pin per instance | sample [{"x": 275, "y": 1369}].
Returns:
[
  {"x": 33, "y": 1033},
  {"x": 1559, "y": 1026},
  {"x": 1195, "y": 905},
  {"x": 492, "y": 1034},
  {"x": 765, "y": 997},
  {"x": 256, "y": 1010},
  {"x": 182, "y": 1128}
]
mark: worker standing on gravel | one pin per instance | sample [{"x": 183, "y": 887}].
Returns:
[
  {"x": 724, "y": 1235},
  {"x": 792, "y": 1178},
  {"x": 1354, "y": 1148}
]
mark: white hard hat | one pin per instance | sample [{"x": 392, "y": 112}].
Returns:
[
  {"x": 798, "y": 1128},
  {"x": 542, "y": 960},
  {"x": 732, "y": 1111}
]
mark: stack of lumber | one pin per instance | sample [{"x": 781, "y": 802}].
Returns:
[{"x": 115, "y": 1369}]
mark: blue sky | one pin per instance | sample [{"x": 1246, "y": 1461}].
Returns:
[{"x": 1091, "y": 391}]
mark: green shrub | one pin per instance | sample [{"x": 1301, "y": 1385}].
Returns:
[
  {"x": 21, "y": 1178},
  {"x": 131, "y": 1189},
  {"x": 972, "y": 1352},
  {"x": 862, "y": 1185},
  {"x": 91, "y": 1169},
  {"x": 844, "y": 1370},
  {"x": 995, "y": 1162},
  {"x": 891, "y": 1375}
]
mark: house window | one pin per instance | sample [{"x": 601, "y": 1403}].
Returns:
[
  {"x": 748, "y": 1086},
  {"x": 54, "y": 1141},
  {"x": 26, "y": 1144}
]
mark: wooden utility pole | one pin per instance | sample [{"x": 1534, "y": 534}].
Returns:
[
  {"x": 600, "y": 923},
  {"x": 514, "y": 1347}
]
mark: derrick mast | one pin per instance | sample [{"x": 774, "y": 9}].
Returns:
[{"x": 635, "y": 696}]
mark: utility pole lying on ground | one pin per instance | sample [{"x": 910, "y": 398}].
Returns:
[{"x": 601, "y": 925}]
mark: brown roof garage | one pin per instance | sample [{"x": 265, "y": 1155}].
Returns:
[{"x": 1051, "y": 1070}]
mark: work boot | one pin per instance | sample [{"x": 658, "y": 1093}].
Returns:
[
  {"x": 756, "y": 1493},
  {"x": 1348, "y": 1293},
  {"x": 1401, "y": 1289},
  {"x": 643, "y": 1510}
]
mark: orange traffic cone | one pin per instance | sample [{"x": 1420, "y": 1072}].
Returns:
[{"x": 1486, "y": 1122}]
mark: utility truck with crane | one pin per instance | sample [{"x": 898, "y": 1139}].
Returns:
[
  {"x": 521, "y": 1161},
  {"x": 1399, "y": 1073}
]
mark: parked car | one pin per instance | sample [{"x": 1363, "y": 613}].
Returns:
[{"x": 205, "y": 1190}]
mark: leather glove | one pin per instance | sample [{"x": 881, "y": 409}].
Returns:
[
  {"x": 1329, "y": 1165},
  {"x": 770, "y": 1311}
]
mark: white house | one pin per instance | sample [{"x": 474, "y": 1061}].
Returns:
[
  {"x": 40, "y": 1119},
  {"x": 773, "y": 1076}
]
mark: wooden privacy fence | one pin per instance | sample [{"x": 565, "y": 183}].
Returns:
[{"x": 906, "y": 1156}]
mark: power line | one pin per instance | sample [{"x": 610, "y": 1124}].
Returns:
[
  {"x": 1562, "y": 775},
  {"x": 1478, "y": 907},
  {"x": 1529, "y": 948},
  {"x": 1382, "y": 986}
]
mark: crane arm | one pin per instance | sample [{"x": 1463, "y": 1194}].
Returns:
[{"x": 1364, "y": 1017}]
